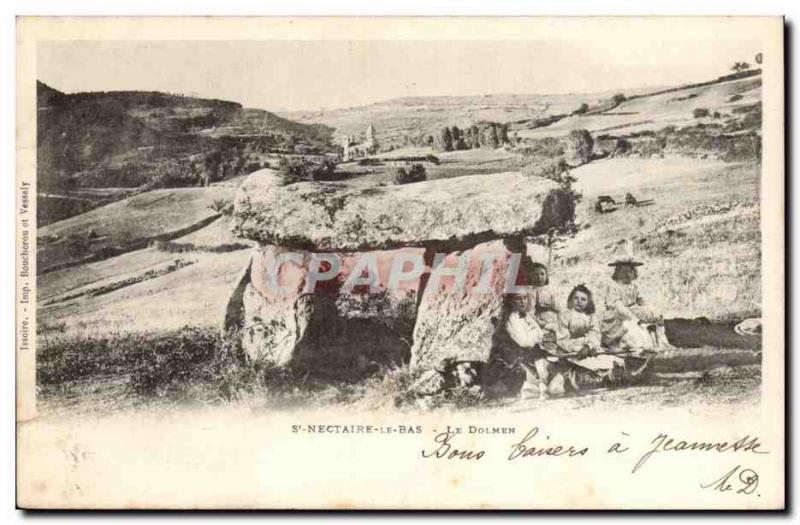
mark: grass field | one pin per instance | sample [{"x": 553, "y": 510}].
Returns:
[
  {"x": 700, "y": 237},
  {"x": 127, "y": 224},
  {"x": 125, "y": 323},
  {"x": 656, "y": 112},
  {"x": 396, "y": 119},
  {"x": 99, "y": 343},
  {"x": 483, "y": 161},
  {"x": 196, "y": 366}
]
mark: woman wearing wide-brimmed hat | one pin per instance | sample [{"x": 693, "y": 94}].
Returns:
[{"x": 628, "y": 323}]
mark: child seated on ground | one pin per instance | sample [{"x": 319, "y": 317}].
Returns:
[
  {"x": 579, "y": 333},
  {"x": 563, "y": 355},
  {"x": 628, "y": 324}
]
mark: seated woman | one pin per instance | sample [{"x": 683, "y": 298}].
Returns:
[
  {"x": 533, "y": 326},
  {"x": 628, "y": 324},
  {"x": 540, "y": 301},
  {"x": 564, "y": 357}
]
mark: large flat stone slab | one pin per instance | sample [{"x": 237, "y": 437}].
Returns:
[{"x": 445, "y": 215}]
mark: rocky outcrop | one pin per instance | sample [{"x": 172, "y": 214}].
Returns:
[
  {"x": 463, "y": 325},
  {"x": 443, "y": 215},
  {"x": 321, "y": 327},
  {"x": 345, "y": 332}
]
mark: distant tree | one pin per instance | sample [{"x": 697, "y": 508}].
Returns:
[
  {"x": 418, "y": 173},
  {"x": 622, "y": 146},
  {"x": 548, "y": 168},
  {"x": 447, "y": 139},
  {"x": 466, "y": 137},
  {"x": 305, "y": 169},
  {"x": 740, "y": 66},
  {"x": 458, "y": 139},
  {"x": 415, "y": 174},
  {"x": 326, "y": 170},
  {"x": 502, "y": 134},
  {"x": 579, "y": 146},
  {"x": 618, "y": 99},
  {"x": 584, "y": 107},
  {"x": 489, "y": 137},
  {"x": 476, "y": 137}
]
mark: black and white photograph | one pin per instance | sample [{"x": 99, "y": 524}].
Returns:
[{"x": 452, "y": 241}]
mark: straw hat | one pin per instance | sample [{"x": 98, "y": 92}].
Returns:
[{"x": 625, "y": 261}]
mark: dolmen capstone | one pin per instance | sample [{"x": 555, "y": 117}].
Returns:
[{"x": 347, "y": 279}]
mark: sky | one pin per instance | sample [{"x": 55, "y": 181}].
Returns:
[{"x": 285, "y": 75}]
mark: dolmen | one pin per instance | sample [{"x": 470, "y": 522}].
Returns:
[{"x": 345, "y": 280}]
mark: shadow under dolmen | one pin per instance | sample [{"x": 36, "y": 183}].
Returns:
[{"x": 397, "y": 313}]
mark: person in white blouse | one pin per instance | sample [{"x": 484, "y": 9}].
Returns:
[{"x": 628, "y": 323}]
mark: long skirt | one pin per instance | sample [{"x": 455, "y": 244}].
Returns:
[
  {"x": 547, "y": 375},
  {"x": 625, "y": 335}
]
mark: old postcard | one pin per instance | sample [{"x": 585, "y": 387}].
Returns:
[{"x": 400, "y": 263}]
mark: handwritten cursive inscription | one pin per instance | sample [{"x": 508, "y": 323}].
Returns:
[
  {"x": 525, "y": 449},
  {"x": 746, "y": 482},
  {"x": 664, "y": 443},
  {"x": 445, "y": 450}
]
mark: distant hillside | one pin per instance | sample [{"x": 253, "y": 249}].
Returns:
[
  {"x": 144, "y": 140},
  {"x": 409, "y": 121},
  {"x": 398, "y": 120}
]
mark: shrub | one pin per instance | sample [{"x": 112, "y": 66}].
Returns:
[
  {"x": 584, "y": 107},
  {"x": 618, "y": 99},
  {"x": 305, "y": 169},
  {"x": 221, "y": 206},
  {"x": 547, "y": 147},
  {"x": 579, "y": 146},
  {"x": 417, "y": 173},
  {"x": 446, "y": 140},
  {"x": 650, "y": 147},
  {"x": 184, "y": 247},
  {"x": 747, "y": 109},
  {"x": 622, "y": 146},
  {"x": 549, "y": 169},
  {"x": 752, "y": 120},
  {"x": 700, "y": 112},
  {"x": 252, "y": 166}
]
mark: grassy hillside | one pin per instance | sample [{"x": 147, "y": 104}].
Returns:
[
  {"x": 142, "y": 140},
  {"x": 702, "y": 247},
  {"x": 130, "y": 276},
  {"x": 127, "y": 225},
  {"x": 406, "y": 122},
  {"x": 398, "y": 119},
  {"x": 652, "y": 113}
]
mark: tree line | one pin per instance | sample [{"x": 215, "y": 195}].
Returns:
[{"x": 480, "y": 135}]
